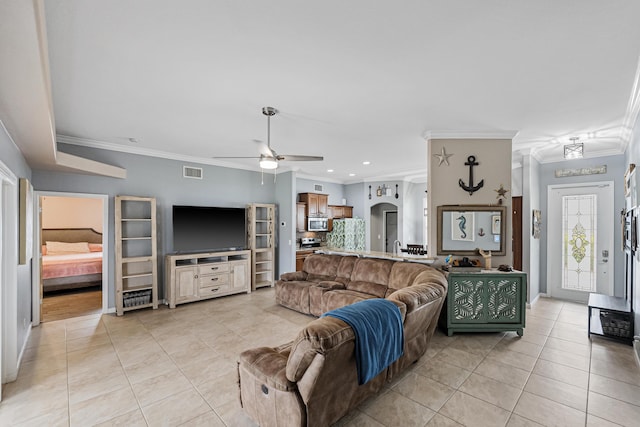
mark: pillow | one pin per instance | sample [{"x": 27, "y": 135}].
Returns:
[
  {"x": 95, "y": 247},
  {"x": 44, "y": 249},
  {"x": 61, "y": 248}
]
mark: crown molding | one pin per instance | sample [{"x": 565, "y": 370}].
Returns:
[
  {"x": 4, "y": 128},
  {"x": 319, "y": 178},
  {"x": 633, "y": 109},
  {"x": 471, "y": 134},
  {"x": 590, "y": 155},
  {"x": 101, "y": 145}
]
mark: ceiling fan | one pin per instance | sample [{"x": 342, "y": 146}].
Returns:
[{"x": 271, "y": 159}]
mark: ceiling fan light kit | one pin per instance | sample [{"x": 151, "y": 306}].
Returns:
[
  {"x": 574, "y": 150},
  {"x": 270, "y": 161}
]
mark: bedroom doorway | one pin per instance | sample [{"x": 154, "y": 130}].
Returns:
[{"x": 72, "y": 277}]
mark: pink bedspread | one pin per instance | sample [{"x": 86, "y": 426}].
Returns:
[{"x": 54, "y": 266}]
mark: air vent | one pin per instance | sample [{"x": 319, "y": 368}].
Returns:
[
  {"x": 191, "y": 172},
  {"x": 318, "y": 187}
]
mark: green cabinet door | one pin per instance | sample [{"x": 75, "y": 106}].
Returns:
[{"x": 486, "y": 302}]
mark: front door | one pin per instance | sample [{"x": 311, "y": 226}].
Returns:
[{"x": 580, "y": 240}]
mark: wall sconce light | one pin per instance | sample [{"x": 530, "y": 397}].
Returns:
[{"x": 574, "y": 150}]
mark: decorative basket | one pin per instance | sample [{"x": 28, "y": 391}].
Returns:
[
  {"x": 133, "y": 299},
  {"x": 614, "y": 324}
]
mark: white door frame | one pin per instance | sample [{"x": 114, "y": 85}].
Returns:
[
  {"x": 8, "y": 275},
  {"x": 38, "y": 251},
  {"x": 550, "y": 189}
]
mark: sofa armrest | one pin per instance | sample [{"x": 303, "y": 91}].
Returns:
[
  {"x": 330, "y": 285},
  {"x": 319, "y": 337},
  {"x": 268, "y": 365},
  {"x": 416, "y": 296},
  {"x": 294, "y": 276}
]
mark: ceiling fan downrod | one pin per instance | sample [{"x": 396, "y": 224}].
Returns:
[{"x": 269, "y": 112}]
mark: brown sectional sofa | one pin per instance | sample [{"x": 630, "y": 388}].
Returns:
[{"x": 312, "y": 381}]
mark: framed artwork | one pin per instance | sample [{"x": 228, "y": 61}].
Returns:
[
  {"x": 462, "y": 226},
  {"x": 26, "y": 222},
  {"x": 495, "y": 224},
  {"x": 536, "y": 222}
]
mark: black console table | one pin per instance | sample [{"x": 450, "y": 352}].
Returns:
[{"x": 614, "y": 318}]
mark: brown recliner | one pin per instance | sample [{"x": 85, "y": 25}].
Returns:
[{"x": 313, "y": 380}]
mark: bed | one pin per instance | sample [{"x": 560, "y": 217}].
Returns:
[{"x": 71, "y": 258}]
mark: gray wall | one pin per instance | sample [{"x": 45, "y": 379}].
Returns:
[
  {"x": 335, "y": 191},
  {"x": 285, "y": 195},
  {"x": 13, "y": 159},
  {"x": 160, "y": 178},
  {"x": 494, "y": 158},
  {"x": 632, "y": 155},
  {"x": 413, "y": 221},
  {"x": 616, "y": 165},
  {"x": 531, "y": 196},
  {"x": 355, "y": 195}
]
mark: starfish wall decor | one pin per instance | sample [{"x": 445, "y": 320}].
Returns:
[
  {"x": 502, "y": 193},
  {"x": 443, "y": 157}
]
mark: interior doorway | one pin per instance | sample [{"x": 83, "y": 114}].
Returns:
[
  {"x": 390, "y": 230},
  {"x": 72, "y": 275},
  {"x": 8, "y": 275},
  {"x": 380, "y": 229},
  {"x": 580, "y": 240}
]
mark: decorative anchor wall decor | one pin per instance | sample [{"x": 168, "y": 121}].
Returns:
[{"x": 471, "y": 162}]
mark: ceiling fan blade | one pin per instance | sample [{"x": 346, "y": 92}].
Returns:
[
  {"x": 296, "y": 158},
  {"x": 236, "y": 157}
]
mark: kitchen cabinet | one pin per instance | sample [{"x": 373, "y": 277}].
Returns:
[
  {"x": 486, "y": 302},
  {"x": 316, "y": 204},
  {"x": 300, "y": 257},
  {"x": 301, "y": 220},
  {"x": 339, "y": 212}
]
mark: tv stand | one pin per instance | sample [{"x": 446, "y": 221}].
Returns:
[{"x": 195, "y": 277}]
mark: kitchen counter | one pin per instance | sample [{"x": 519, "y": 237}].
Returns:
[{"x": 424, "y": 259}]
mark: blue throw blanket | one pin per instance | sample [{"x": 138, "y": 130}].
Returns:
[{"x": 377, "y": 324}]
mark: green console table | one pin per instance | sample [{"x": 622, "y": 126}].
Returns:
[{"x": 486, "y": 301}]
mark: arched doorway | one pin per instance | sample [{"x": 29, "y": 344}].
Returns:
[{"x": 384, "y": 226}]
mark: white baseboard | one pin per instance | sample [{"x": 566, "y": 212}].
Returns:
[{"x": 636, "y": 348}]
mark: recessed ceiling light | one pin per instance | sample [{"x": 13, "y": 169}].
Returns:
[
  {"x": 352, "y": 174},
  {"x": 366, "y": 162},
  {"x": 329, "y": 170}
]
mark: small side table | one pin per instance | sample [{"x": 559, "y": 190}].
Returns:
[{"x": 614, "y": 318}]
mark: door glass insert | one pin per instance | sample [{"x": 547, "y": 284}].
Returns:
[{"x": 579, "y": 243}]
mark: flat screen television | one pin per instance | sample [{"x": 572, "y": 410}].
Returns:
[{"x": 208, "y": 229}]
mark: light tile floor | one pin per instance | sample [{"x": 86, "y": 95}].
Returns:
[{"x": 178, "y": 367}]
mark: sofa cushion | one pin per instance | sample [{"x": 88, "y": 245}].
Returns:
[
  {"x": 293, "y": 275},
  {"x": 372, "y": 289},
  {"x": 372, "y": 270},
  {"x": 403, "y": 274},
  {"x": 341, "y": 297},
  {"x": 321, "y": 267},
  {"x": 294, "y": 294},
  {"x": 315, "y": 295},
  {"x": 345, "y": 269},
  {"x": 268, "y": 365}
]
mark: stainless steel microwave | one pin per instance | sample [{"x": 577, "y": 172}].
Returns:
[{"x": 317, "y": 224}]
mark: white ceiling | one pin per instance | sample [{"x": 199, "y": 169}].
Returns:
[{"x": 354, "y": 81}]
